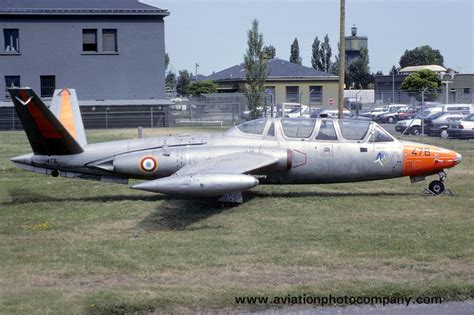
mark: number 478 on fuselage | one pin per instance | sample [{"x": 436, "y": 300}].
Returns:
[{"x": 262, "y": 151}]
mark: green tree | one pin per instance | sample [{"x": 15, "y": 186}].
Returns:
[
  {"x": 358, "y": 73},
  {"x": 419, "y": 80},
  {"x": 316, "y": 55},
  {"x": 170, "y": 80},
  {"x": 270, "y": 52},
  {"x": 423, "y": 55},
  {"x": 295, "y": 52},
  {"x": 183, "y": 82},
  {"x": 394, "y": 70},
  {"x": 256, "y": 71},
  {"x": 335, "y": 65},
  {"x": 202, "y": 87},
  {"x": 326, "y": 54}
]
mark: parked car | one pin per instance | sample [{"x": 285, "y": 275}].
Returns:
[
  {"x": 393, "y": 108},
  {"x": 458, "y": 108},
  {"x": 437, "y": 124},
  {"x": 334, "y": 113},
  {"x": 329, "y": 113},
  {"x": 462, "y": 129},
  {"x": 407, "y": 114},
  {"x": 394, "y": 115},
  {"x": 373, "y": 111},
  {"x": 413, "y": 125},
  {"x": 305, "y": 112}
]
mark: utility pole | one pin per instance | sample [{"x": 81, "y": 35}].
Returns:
[
  {"x": 422, "y": 111},
  {"x": 393, "y": 87},
  {"x": 342, "y": 57},
  {"x": 447, "y": 82}
]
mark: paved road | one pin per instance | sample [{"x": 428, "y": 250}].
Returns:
[
  {"x": 391, "y": 128},
  {"x": 451, "y": 308}
]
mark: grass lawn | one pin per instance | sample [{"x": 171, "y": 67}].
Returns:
[{"x": 72, "y": 246}]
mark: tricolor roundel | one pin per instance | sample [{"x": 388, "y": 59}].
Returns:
[{"x": 148, "y": 164}]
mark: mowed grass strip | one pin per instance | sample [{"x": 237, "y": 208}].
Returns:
[{"x": 86, "y": 247}]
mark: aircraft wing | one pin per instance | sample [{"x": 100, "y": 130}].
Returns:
[
  {"x": 235, "y": 163},
  {"x": 213, "y": 177}
]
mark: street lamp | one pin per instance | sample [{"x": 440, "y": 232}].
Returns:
[
  {"x": 357, "y": 102},
  {"x": 447, "y": 82},
  {"x": 342, "y": 57},
  {"x": 393, "y": 86}
]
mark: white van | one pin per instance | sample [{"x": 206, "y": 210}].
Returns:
[{"x": 458, "y": 108}]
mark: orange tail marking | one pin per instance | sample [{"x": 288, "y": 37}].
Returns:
[{"x": 66, "y": 116}]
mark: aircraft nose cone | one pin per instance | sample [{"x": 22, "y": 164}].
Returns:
[{"x": 458, "y": 158}]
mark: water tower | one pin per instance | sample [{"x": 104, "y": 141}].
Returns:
[{"x": 353, "y": 45}]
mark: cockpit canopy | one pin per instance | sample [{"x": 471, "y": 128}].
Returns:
[{"x": 317, "y": 129}]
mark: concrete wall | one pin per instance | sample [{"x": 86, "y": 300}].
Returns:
[
  {"x": 53, "y": 46},
  {"x": 461, "y": 90},
  {"x": 463, "y": 86}
]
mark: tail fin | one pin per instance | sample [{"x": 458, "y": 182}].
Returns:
[
  {"x": 65, "y": 107},
  {"x": 45, "y": 132}
]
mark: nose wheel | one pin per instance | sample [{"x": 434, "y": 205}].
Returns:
[{"x": 436, "y": 187}]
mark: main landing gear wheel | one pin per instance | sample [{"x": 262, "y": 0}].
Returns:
[{"x": 436, "y": 187}]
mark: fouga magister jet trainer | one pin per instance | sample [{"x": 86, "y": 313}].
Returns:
[{"x": 263, "y": 151}]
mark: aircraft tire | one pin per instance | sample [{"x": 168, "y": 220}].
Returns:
[{"x": 436, "y": 187}]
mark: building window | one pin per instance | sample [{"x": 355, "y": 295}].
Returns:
[
  {"x": 467, "y": 91},
  {"x": 11, "y": 81},
  {"x": 11, "y": 40},
  {"x": 292, "y": 94},
  {"x": 315, "y": 94},
  {"x": 89, "y": 40},
  {"x": 109, "y": 40},
  {"x": 48, "y": 84}
]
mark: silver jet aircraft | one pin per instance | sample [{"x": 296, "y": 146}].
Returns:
[{"x": 262, "y": 151}]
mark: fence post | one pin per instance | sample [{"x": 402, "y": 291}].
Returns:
[
  {"x": 140, "y": 132},
  {"x": 106, "y": 119},
  {"x": 151, "y": 116}
]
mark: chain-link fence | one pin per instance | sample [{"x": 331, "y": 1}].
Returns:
[
  {"x": 222, "y": 109},
  {"x": 413, "y": 97},
  {"x": 227, "y": 109}
]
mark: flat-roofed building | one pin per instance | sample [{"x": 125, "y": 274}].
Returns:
[{"x": 106, "y": 50}]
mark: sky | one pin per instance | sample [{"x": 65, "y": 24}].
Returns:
[{"x": 213, "y": 33}]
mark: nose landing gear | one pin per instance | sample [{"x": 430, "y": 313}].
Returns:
[{"x": 436, "y": 187}]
